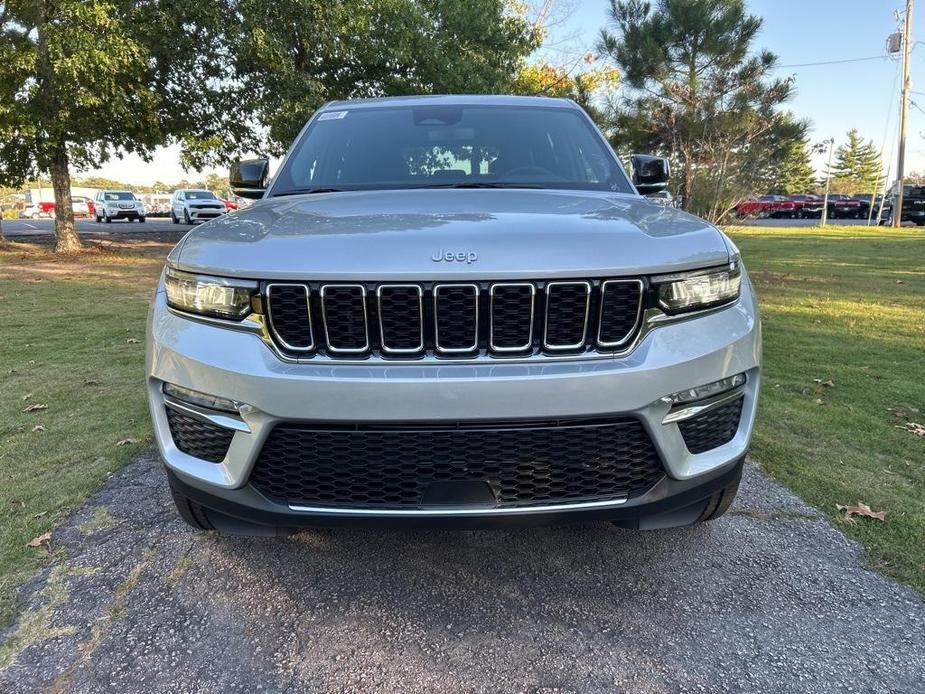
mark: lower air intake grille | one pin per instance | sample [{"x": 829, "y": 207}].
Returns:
[
  {"x": 712, "y": 428},
  {"x": 394, "y": 466},
  {"x": 197, "y": 438}
]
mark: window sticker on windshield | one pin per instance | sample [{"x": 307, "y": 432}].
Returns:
[{"x": 332, "y": 115}]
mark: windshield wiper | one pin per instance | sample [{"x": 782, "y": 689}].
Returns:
[
  {"x": 308, "y": 191},
  {"x": 482, "y": 184}
]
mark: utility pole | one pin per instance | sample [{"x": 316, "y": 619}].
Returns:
[
  {"x": 903, "y": 116},
  {"x": 828, "y": 179}
]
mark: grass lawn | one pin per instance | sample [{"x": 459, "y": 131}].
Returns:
[
  {"x": 73, "y": 340},
  {"x": 846, "y": 305}
]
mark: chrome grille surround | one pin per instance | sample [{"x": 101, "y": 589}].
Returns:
[
  {"x": 438, "y": 321},
  {"x": 475, "y": 337},
  {"x": 381, "y": 295},
  {"x": 494, "y": 323},
  {"x": 550, "y": 287},
  {"x": 308, "y": 302},
  {"x": 640, "y": 285},
  {"x": 329, "y": 288}
]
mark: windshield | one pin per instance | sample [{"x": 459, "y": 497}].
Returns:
[
  {"x": 447, "y": 146},
  {"x": 200, "y": 195},
  {"x": 118, "y": 196}
]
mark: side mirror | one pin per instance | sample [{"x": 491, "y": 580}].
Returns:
[
  {"x": 650, "y": 174},
  {"x": 248, "y": 178}
]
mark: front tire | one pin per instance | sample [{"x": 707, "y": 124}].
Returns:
[
  {"x": 720, "y": 502},
  {"x": 108, "y": 219},
  {"x": 186, "y": 219},
  {"x": 191, "y": 512},
  {"x": 141, "y": 219}
]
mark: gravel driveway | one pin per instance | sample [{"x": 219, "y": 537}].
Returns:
[{"x": 770, "y": 598}]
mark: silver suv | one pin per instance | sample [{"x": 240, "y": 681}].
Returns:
[
  {"x": 457, "y": 311},
  {"x": 191, "y": 206}
]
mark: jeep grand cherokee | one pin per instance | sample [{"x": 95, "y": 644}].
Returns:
[{"x": 452, "y": 310}]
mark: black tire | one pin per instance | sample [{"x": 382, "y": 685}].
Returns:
[
  {"x": 191, "y": 512},
  {"x": 720, "y": 502},
  {"x": 108, "y": 219},
  {"x": 141, "y": 219},
  {"x": 186, "y": 219},
  {"x": 173, "y": 218}
]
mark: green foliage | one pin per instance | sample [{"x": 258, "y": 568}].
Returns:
[
  {"x": 368, "y": 48},
  {"x": 82, "y": 80},
  {"x": 857, "y": 167},
  {"x": 586, "y": 88},
  {"x": 698, "y": 95},
  {"x": 794, "y": 172}
]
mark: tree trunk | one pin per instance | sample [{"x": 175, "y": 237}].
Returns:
[
  {"x": 66, "y": 239},
  {"x": 2, "y": 239}
]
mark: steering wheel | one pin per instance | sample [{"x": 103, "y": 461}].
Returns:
[{"x": 530, "y": 169}]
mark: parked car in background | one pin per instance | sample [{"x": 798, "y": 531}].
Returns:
[
  {"x": 230, "y": 204},
  {"x": 913, "y": 206},
  {"x": 118, "y": 204},
  {"x": 766, "y": 206},
  {"x": 844, "y": 207},
  {"x": 80, "y": 206},
  {"x": 30, "y": 212},
  {"x": 807, "y": 205},
  {"x": 191, "y": 206}
]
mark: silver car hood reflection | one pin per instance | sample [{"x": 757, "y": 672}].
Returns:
[{"x": 450, "y": 234}]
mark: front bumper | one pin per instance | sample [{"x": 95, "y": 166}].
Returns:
[
  {"x": 205, "y": 215},
  {"x": 124, "y": 214},
  {"x": 239, "y": 366}
]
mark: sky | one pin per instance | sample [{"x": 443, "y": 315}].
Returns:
[{"x": 834, "y": 97}]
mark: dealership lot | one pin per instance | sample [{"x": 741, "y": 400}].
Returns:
[
  {"x": 14, "y": 228},
  {"x": 769, "y": 598}
]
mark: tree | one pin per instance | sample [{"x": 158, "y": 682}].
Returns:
[
  {"x": 81, "y": 80},
  {"x": 699, "y": 95},
  {"x": 544, "y": 79},
  {"x": 292, "y": 56},
  {"x": 857, "y": 167},
  {"x": 794, "y": 173}
]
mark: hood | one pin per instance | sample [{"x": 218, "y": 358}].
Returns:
[{"x": 487, "y": 233}]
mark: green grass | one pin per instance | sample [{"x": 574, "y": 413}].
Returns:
[
  {"x": 846, "y": 304},
  {"x": 72, "y": 339},
  {"x": 831, "y": 306}
]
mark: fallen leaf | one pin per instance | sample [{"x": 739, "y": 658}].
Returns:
[
  {"x": 91, "y": 382},
  {"x": 40, "y": 540},
  {"x": 826, "y": 384},
  {"x": 912, "y": 428},
  {"x": 126, "y": 442},
  {"x": 26, "y": 397},
  {"x": 900, "y": 282},
  {"x": 132, "y": 341},
  {"x": 39, "y": 515},
  {"x": 38, "y": 428},
  {"x": 819, "y": 401},
  {"x": 35, "y": 407},
  {"x": 861, "y": 510}
]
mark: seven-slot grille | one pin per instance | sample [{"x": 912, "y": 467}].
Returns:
[{"x": 453, "y": 320}]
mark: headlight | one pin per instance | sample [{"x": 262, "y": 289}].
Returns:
[
  {"x": 698, "y": 290},
  {"x": 209, "y": 296}
]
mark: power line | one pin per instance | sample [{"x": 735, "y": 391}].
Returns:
[{"x": 833, "y": 62}]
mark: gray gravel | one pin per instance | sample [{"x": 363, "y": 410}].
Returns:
[{"x": 769, "y": 598}]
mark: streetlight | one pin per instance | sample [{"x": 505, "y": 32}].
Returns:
[{"x": 828, "y": 177}]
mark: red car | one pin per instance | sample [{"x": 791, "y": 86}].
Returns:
[
  {"x": 843, "y": 206},
  {"x": 808, "y": 205},
  {"x": 230, "y": 205},
  {"x": 766, "y": 206}
]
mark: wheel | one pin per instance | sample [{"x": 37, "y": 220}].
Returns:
[
  {"x": 108, "y": 219},
  {"x": 191, "y": 512},
  {"x": 97, "y": 218},
  {"x": 173, "y": 218},
  {"x": 141, "y": 219},
  {"x": 186, "y": 219},
  {"x": 720, "y": 502}
]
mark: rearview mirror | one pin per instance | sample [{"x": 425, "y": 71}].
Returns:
[
  {"x": 650, "y": 174},
  {"x": 248, "y": 178}
]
